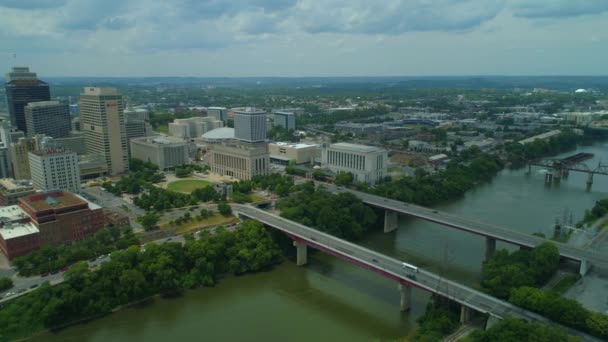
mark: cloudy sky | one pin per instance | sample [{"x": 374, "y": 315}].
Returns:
[{"x": 305, "y": 37}]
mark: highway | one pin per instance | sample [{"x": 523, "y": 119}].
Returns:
[
  {"x": 393, "y": 268},
  {"x": 596, "y": 258}
]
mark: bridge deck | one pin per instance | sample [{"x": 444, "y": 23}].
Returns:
[{"x": 393, "y": 268}]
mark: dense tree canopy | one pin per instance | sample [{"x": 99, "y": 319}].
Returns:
[
  {"x": 505, "y": 271},
  {"x": 342, "y": 215},
  {"x": 512, "y": 329},
  {"x": 133, "y": 274}
]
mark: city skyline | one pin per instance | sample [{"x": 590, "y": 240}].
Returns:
[{"x": 304, "y": 38}]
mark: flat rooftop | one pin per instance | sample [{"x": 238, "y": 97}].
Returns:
[
  {"x": 356, "y": 147},
  {"x": 11, "y": 213},
  {"x": 292, "y": 145},
  {"x": 15, "y": 230},
  {"x": 53, "y": 200},
  {"x": 11, "y": 184}
]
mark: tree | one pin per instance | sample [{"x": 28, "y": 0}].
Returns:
[
  {"x": 149, "y": 220},
  {"x": 205, "y": 214},
  {"x": 344, "y": 179},
  {"x": 5, "y": 283},
  {"x": 224, "y": 209}
]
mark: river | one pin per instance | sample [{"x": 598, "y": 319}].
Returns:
[{"x": 330, "y": 300}]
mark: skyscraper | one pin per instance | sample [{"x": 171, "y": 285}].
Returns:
[
  {"x": 50, "y": 118},
  {"x": 250, "y": 125},
  {"x": 22, "y": 87},
  {"x": 103, "y": 125},
  {"x": 286, "y": 120}
]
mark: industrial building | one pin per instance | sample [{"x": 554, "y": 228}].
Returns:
[{"x": 368, "y": 164}]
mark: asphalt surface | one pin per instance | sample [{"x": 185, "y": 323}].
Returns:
[
  {"x": 394, "y": 268},
  {"x": 107, "y": 200}
]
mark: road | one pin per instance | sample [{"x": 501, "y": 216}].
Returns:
[
  {"x": 108, "y": 200},
  {"x": 394, "y": 269},
  {"x": 594, "y": 257}
]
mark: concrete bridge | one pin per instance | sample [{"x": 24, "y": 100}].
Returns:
[
  {"x": 470, "y": 299},
  {"x": 491, "y": 232}
]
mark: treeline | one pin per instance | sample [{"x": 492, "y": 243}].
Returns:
[
  {"x": 337, "y": 116},
  {"x": 342, "y": 215},
  {"x": 141, "y": 174},
  {"x": 514, "y": 276},
  {"x": 562, "y": 310},
  {"x": 598, "y": 211},
  {"x": 438, "y": 321},
  {"x": 50, "y": 259},
  {"x": 517, "y": 155},
  {"x": 461, "y": 174},
  {"x": 505, "y": 271},
  {"x": 512, "y": 329},
  {"x": 281, "y": 185},
  {"x": 133, "y": 275}
]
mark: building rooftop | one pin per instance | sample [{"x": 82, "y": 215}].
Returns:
[
  {"x": 52, "y": 200},
  {"x": 11, "y": 184},
  {"x": 219, "y": 133},
  {"x": 11, "y": 213},
  {"x": 158, "y": 140},
  {"x": 356, "y": 147},
  {"x": 15, "y": 230},
  {"x": 291, "y": 145},
  {"x": 92, "y": 205},
  {"x": 217, "y": 108},
  {"x": 43, "y": 104}
]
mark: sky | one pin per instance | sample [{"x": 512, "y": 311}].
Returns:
[{"x": 289, "y": 38}]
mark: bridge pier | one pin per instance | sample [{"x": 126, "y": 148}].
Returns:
[
  {"x": 490, "y": 248},
  {"x": 589, "y": 181},
  {"x": 492, "y": 321},
  {"x": 465, "y": 314},
  {"x": 584, "y": 268},
  {"x": 406, "y": 297},
  {"x": 301, "y": 253},
  {"x": 548, "y": 177},
  {"x": 391, "y": 221}
]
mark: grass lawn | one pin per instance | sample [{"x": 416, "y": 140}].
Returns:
[
  {"x": 194, "y": 224},
  {"x": 187, "y": 185},
  {"x": 258, "y": 198}
]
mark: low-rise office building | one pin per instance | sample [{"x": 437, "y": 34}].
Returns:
[
  {"x": 193, "y": 127},
  {"x": 239, "y": 160},
  {"x": 368, "y": 164},
  {"x": 47, "y": 219},
  {"x": 166, "y": 152},
  {"x": 11, "y": 190},
  {"x": 286, "y": 120},
  {"x": 282, "y": 153}
]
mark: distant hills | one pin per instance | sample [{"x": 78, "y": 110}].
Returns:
[{"x": 562, "y": 83}]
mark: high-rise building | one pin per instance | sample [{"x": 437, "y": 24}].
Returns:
[
  {"x": 286, "y": 120},
  {"x": 219, "y": 113},
  {"x": 250, "y": 125},
  {"x": 49, "y": 118},
  {"x": 20, "y": 158},
  {"x": 23, "y": 87},
  {"x": 102, "y": 122},
  {"x": 55, "y": 169}
]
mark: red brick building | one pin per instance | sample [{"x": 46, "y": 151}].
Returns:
[{"x": 47, "y": 219}]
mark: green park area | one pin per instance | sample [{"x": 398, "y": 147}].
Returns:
[{"x": 187, "y": 185}]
